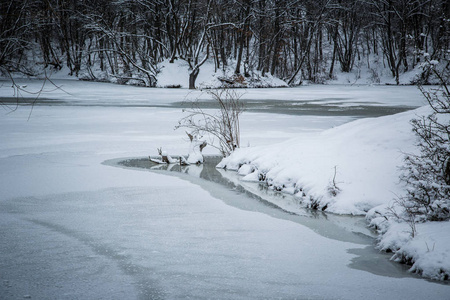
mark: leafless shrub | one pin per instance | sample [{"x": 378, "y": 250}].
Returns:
[
  {"x": 406, "y": 214},
  {"x": 427, "y": 174},
  {"x": 222, "y": 125}
]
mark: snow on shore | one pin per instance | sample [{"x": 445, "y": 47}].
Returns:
[
  {"x": 361, "y": 157},
  {"x": 351, "y": 169},
  {"x": 176, "y": 75},
  {"x": 428, "y": 252}
]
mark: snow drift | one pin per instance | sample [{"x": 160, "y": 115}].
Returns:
[{"x": 347, "y": 170}]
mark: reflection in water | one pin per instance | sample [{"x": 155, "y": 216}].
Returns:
[
  {"x": 208, "y": 171},
  {"x": 257, "y": 197},
  {"x": 319, "y": 107}
]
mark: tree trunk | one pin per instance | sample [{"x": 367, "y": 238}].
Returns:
[
  {"x": 192, "y": 78},
  {"x": 239, "y": 58},
  {"x": 330, "y": 75}
]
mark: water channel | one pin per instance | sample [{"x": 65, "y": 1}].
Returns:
[{"x": 256, "y": 197}]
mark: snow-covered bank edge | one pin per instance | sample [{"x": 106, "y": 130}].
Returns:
[
  {"x": 353, "y": 169},
  {"x": 428, "y": 252},
  {"x": 348, "y": 169}
]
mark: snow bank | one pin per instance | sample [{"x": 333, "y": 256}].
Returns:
[
  {"x": 428, "y": 252},
  {"x": 347, "y": 169},
  {"x": 176, "y": 75}
]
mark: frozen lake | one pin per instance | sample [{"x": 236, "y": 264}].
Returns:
[{"x": 72, "y": 227}]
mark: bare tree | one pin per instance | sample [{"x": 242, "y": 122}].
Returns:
[
  {"x": 16, "y": 30},
  {"x": 291, "y": 39}
]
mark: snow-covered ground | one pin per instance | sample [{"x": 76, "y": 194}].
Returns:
[
  {"x": 358, "y": 160},
  {"x": 176, "y": 74},
  {"x": 74, "y": 228}
]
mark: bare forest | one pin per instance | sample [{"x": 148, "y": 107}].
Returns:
[{"x": 290, "y": 39}]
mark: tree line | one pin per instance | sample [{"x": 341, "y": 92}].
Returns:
[{"x": 292, "y": 39}]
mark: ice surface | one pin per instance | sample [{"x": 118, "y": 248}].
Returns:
[
  {"x": 93, "y": 93},
  {"x": 73, "y": 228}
]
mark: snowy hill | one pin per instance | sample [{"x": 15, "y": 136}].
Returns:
[{"x": 361, "y": 157}]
